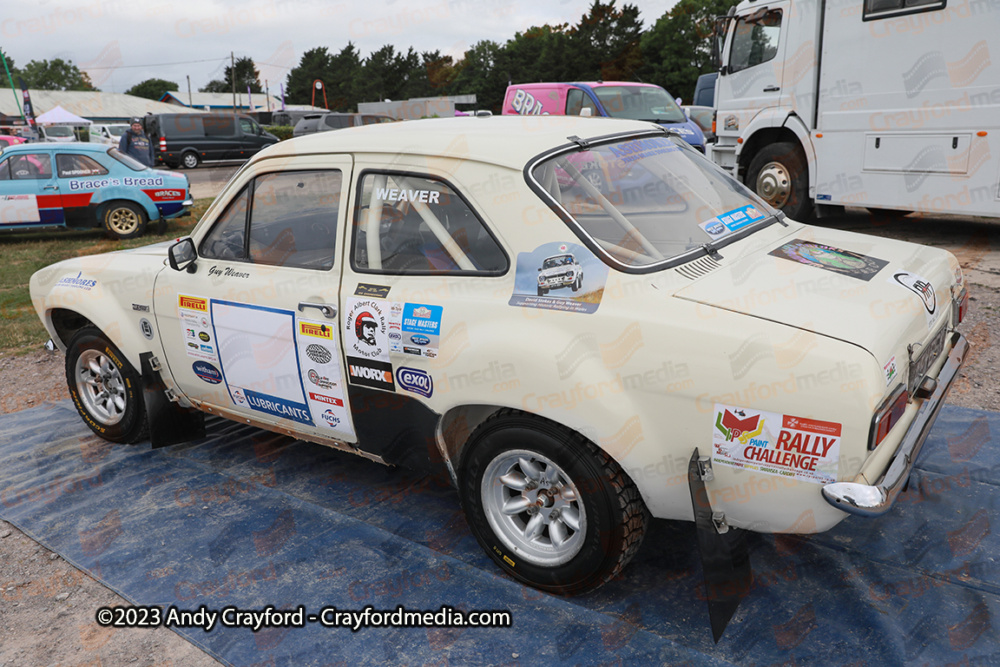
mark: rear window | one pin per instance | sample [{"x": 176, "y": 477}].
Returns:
[
  {"x": 647, "y": 201},
  {"x": 126, "y": 160}
]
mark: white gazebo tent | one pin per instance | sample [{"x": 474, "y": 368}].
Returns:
[{"x": 58, "y": 116}]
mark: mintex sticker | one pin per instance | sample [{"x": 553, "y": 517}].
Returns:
[
  {"x": 559, "y": 276},
  {"x": 922, "y": 288},
  {"x": 826, "y": 257},
  {"x": 196, "y": 328},
  {"x": 804, "y": 449},
  {"x": 320, "y": 373}
]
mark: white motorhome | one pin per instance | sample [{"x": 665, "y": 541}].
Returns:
[{"x": 888, "y": 104}]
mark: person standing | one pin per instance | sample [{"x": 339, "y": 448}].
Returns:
[{"x": 136, "y": 144}]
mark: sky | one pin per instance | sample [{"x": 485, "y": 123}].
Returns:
[{"x": 121, "y": 43}]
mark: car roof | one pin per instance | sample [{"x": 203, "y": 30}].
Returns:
[
  {"x": 81, "y": 146},
  {"x": 502, "y": 140}
]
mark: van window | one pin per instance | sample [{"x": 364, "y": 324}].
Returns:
[
  {"x": 219, "y": 126},
  {"x": 577, "y": 101},
  {"x": 881, "y": 9},
  {"x": 416, "y": 225},
  {"x": 248, "y": 126},
  {"x": 755, "y": 43},
  {"x": 182, "y": 125}
]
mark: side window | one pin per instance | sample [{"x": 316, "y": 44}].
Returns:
[
  {"x": 74, "y": 166},
  {"x": 221, "y": 126},
  {"x": 5, "y": 170},
  {"x": 227, "y": 240},
  {"x": 880, "y": 9},
  {"x": 247, "y": 125},
  {"x": 415, "y": 225},
  {"x": 577, "y": 101},
  {"x": 755, "y": 40},
  {"x": 293, "y": 219},
  {"x": 31, "y": 166}
]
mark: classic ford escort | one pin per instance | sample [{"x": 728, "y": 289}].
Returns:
[{"x": 378, "y": 290}]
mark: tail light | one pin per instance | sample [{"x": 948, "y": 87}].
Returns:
[
  {"x": 887, "y": 416},
  {"x": 960, "y": 305},
  {"x": 163, "y": 144}
]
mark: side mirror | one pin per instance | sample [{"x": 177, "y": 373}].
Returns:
[{"x": 182, "y": 255}]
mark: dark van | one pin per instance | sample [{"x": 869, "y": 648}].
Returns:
[{"x": 187, "y": 139}]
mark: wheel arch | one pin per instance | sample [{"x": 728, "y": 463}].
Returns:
[{"x": 66, "y": 323}]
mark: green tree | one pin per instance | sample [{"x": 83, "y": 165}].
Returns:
[
  {"x": 4, "y": 81},
  {"x": 604, "y": 45},
  {"x": 677, "y": 49},
  {"x": 216, "y": 86},
  {"x": 56, "y": 74},
  {"x": 152, "y": 89},
  {"x": 341, "y": 73},
  {"x": 480, "y": 75},
  {"x": 314, "y": 64},
  {"x": 246, "y": 75}
]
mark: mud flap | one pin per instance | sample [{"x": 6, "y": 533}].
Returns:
[
  {"x": 725, "y": 556},
  {"x": 169, "y": 423}
]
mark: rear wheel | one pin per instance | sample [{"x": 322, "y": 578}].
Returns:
[
  {"x": 550, "y": 508},
  {"x": 124, "y": 220},
  {"x": 190, "y": 160},
  {"x": 105, "y": 389},
  {"x": 780, "y": 176}
]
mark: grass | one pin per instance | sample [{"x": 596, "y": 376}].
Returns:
[{"x": 23, "y": 253}]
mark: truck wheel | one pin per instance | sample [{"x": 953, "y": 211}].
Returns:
[
  {"x": 124, "y": 220},
  {"x": 780, "y": 176},
  {"x": 190, "y": 160},
  {"x": 549, "y": 507},
  {"x": 105, "y": 389}
]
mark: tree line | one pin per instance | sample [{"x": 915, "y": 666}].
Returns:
[{"x": 607, "y": 43}]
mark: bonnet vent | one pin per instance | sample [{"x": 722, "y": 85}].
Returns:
[{"x": 698, "y": 268}]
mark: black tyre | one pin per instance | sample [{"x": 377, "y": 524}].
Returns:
[
  {"x": 105, "y": 389},
  {"x": 577, "y": 282},
  {"x": 190, "y": 160},
  {"x": 779, "y": 175},
  {"x": 124, "y": 220},
  {"x": 549, "y": 507},
  {"x": 542, "y": 291}
]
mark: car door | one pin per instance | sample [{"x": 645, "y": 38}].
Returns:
[
  {"x": 29, "y": 191},
  {"x": 251, "y": 139},
  {"x": 252, "y": 331}
]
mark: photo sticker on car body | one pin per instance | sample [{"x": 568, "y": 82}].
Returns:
[
  {"x": 559, "y": 276},
  {"x": 803, "y": 449},
  {"x": 826, "y": 257}
]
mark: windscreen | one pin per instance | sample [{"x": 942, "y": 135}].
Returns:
[
  {"x": 648, "y": 200},
  {"x": 650, "y": 103}
]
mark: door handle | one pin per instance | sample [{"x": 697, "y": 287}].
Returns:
[
  {"x": 50, "y": 186},
  {"x": 328, "y": 311},
  {"x": 772, "y": 89}
]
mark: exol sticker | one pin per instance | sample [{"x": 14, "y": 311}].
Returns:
[
  {"x": 207, "y": 372},
  {"x": 365, "y": 330},
  {"x": 318, "y": 353},
  {"x": 922, "y": 288},
  {"x": 77, "y": 282},
  {"x": 146, "y": 328},
  {"x": 890, "y": 370},
  {"x": 559, "y": 276},
  {"x": 371, "y": 291},
  {"x": 826, "y": 257},
  {"x": 415, "y": 380},
  {"x": 803, "y": 449}
]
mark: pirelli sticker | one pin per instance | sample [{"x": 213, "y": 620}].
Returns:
[
  {"x": 316, "y": 330},
  {"x": 196, "y": 328}
]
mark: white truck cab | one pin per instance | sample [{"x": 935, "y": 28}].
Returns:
[{"x": 887, "y": 104}]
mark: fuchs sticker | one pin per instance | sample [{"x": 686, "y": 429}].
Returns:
[
  {"x": 836, "y": 260},
  {"x": 207, "y": 372},
  {"x": 922, "y": 288},
  {"x": 318, "y": 353},
  {"x": 890, "y": 371},
  {"x": 415, "y": 380},
  {"x": 331, "y": 419},
  {"x": 796, "y": 448}
]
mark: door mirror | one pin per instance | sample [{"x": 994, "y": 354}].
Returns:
[{"x": 182, "y": 255}]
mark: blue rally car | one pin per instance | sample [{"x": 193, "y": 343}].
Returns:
[{"x": 85, "y": 185}]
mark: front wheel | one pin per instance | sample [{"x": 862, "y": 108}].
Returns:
[
  {"x": 105, "y": 389},
  {"x": 550, "y": 508},
  {"x": 189, "y": 160},
  {"x": 780, "y": 176},
  {"x": 124, "y": 220}
]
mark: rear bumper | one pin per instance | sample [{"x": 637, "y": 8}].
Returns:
[{"x": 873, "y": 500}]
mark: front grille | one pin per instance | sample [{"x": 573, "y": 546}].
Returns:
[{"x": 923, "y": 357}]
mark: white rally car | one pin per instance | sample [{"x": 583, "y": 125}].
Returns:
[
  {"x": 559, "y": 271},
  {"x": 375, "y": 290}
]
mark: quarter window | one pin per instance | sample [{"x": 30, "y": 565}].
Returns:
[
  {"x": 414, "y": 225},
  {"x": 577, "y": 101},
  {"x": 881, "y": 9},
  {"x": 755, "y": 40},
  {"x": 5, "y": 170},
  {"x": 32, "y": 166},
  {"x": 291, "y": 218},
  {"x": 77, "y": 166}
]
